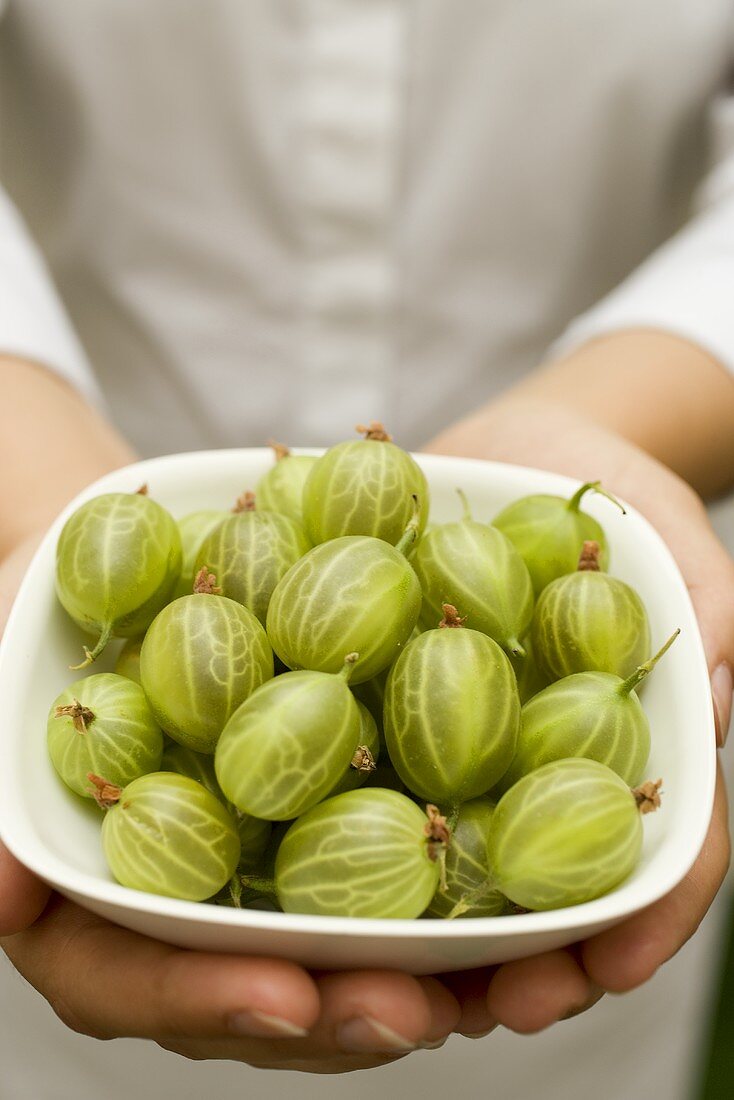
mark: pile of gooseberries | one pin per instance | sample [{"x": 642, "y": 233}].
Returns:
[{"x": 324, "y": 704}]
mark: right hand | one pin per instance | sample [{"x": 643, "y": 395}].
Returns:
[{"x": 107, "y": 982}]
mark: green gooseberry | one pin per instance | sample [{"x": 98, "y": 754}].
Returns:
[
  {"x": 595, "y": 715},
  {"x": 530, "y": 680},
  {"x": 117, "y": 561},
  {"x": 475, "y": 567},
  {"x": 364, "y": 759},
  {"x": 566, "y": 834},
  {"x": 167, "y": 834},
  {"x": 354, "y": 593},
  {"x": 365, "y": 853},
  {"x": 364, "y": 487},
  {"x": 547, "y": 531},
  {"x": 371, "y": 694},
  {"x": 250, "y": 551},
  {"x": 589, "y": 622},
  {"x": 103, "y": 724},
  {"x": 281, "y": 488},
  {"x": 254, "y": 834},
  {"x": 194, "y": 528},
  {"x": 128, "y": 659},
  {"x": 465, "y": 892},
  {"x": 285, "y": 748},
  {"x": 452, "y": 713},
  {"x": 201, "y": 657}
]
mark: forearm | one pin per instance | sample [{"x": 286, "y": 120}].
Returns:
[
  {"x": 52, "y": 444},
  {"x": 659, "y": 393}
]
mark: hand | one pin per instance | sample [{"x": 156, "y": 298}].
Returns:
[
  {"x": 107, "y": 982},
  {"x": 530, "y": 994}
]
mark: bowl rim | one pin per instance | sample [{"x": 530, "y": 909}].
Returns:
[{"x": 623, "y": 901}]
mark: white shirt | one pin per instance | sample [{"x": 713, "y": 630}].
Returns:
[{"x": 282, "y": 217}]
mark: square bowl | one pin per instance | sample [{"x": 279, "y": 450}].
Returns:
[{"x": 57, "y": 834}]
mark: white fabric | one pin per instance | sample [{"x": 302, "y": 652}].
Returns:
[{"x": 283, "y": 217}]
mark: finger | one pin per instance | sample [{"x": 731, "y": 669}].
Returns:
[
  {"x": 627, "y": 955},
  {"x": 529, "y": 995},
  {"x": 107, "y": 981},
  {"x": 709, "y": 572},
  {"x": 23, "y": 897},
  {"x": 383, "y": 1012},
  {"x": 469, "y": 987}
]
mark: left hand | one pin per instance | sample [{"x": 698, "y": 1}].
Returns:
[{"x": 530, "y": 994}]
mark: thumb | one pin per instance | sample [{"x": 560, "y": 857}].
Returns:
[{"x": 23, "y": 897}]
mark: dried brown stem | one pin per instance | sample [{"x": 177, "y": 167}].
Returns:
[
  {"x": 647, "y": 796},
  {"x": 437, "y": 831},
  {"x": 589, "y": 559},
  {"x": 206, "y": 583},
  {"x": 80, "y": 715},
  {"x": 451, "y": 617},
  {"x": 142, "y": 491},
  {"x": 375, "y": 430},
  {"x": 363, "y": 760},
  {"x": 280, "y": 450},
  {"x": 245, "y": 503},
  {"x": 105, "y": 794}
]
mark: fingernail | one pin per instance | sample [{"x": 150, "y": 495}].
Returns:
[
  {"x": 478, "y": 1034},
  {"x": 434, "y": 1046},
  {"x": 721, "y": 689},
  {"x": 259, "y": 1025},
  {"x": 363, "y": 1034}
]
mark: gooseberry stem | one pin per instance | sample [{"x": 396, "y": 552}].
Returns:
[
  {"x": 589, "y": 557},
  {"x": 515, "y": 647},
  {"x": 205, "y": 583},
  {"x": 375, "y": 431},
  {"x": 647, "y": 796},
  {"x": 411, "y": 531},
  {"x": 245, "y": 503},
  {"x": 467, "y": 516},
  {"x": 471, "y": 898},
  {"x": 259, "y": 884},
  {"x": 592, "y": 487},
  {"x": 643, "y": 670},
  {"x": 92, "y": 654},
  {"x": 80, "y": 715},
  {"x": 451, "y": 618},
  {"x": 280, "y": 450},
  {"x": 106, "y": 794},
  {"x": 348, "y": 667},
  {"x": 363, "y": 760}
]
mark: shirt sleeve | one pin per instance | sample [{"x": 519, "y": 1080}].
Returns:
[
  {"x": 685, "y": 287},
  {"x": 33, "y": 323}
]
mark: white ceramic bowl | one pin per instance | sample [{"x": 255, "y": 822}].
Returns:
[{"x": 57, "y": 834}]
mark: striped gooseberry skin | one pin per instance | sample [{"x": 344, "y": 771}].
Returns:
[
  {"x": 117, "y": 737},
  {"x": 364, "y": 487},
  {"x": 201, "y": 657},
  {"x": 563, "y": 835},
  {"x": 249, "y": 552},
  {"x": 285, "y": 748},
  {"x": 585, "y": 715},
  {"x": 530, "y": 679},
  {"x": 451, "y": 715},
  {"x": 361, "y": 854},
  {"x": 128, "y": 660},
  {"x": 467, "y": 865},
  {"x": 589, "y": 622},
  {"x": 547, "y": 533},
  {"x": 369, "y": 738},
  {"x": 254, "y": 834},
  {"x": 117, "y": 561},
  {"x": 169, "y": 835},
  {"x": 194, "y": 528},
  {"x": 353, "y": 594},
  {"x": 281, "y": 488},
  {"x": 476, "y": 568}
]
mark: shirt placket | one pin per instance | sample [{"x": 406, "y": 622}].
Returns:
[{"x": 351, "y": 94}]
